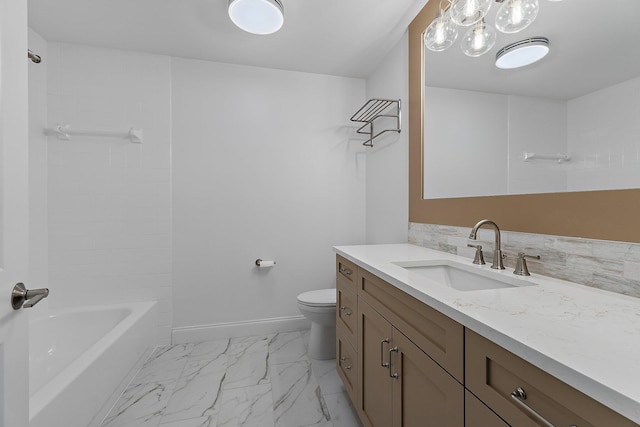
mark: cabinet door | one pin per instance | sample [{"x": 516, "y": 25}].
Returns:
[
  {"x": 477, "y": 414},
  {"x": 374, "y": 383},
  {"x": 438, "y": 335},
  {"x": 424, "y": 394}
]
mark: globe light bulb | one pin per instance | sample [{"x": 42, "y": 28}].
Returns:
[
  {"x": 468, "y": 12},
  {"x": 479, "y": 39},
  {"x": 516, "y": 15},
  {"x": 441, "y": 33}
]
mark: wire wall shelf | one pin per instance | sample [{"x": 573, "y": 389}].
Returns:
[{"x": 374, "y": 109}]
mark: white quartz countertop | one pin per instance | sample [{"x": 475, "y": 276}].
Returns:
[{"x": 588, "y": 338}]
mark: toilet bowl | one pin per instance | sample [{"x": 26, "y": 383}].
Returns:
[{"x": 320, "y": 308}]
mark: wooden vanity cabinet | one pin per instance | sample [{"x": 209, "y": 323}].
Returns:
[
  {"x": 347, "y": 272},
  {"x": 347, "y": 363},
  {"x": 441, "y": 337},
  {"x": 405, "y": 364},
  {"x": 374, "y": 404},
  {"x": 399, "y": 384},
  {"x": 424, "y": 394},
  {"x": 477, "y": 414},
  {"x": 347, "y": 325},
  {"x": 347, "y": 310},
  {"x": 494, "y": 374}
]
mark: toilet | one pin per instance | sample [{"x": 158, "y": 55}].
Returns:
[{"x": 320, "y": 308}]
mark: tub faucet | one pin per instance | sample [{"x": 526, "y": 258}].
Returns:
[{"x": 497, "y": 250}]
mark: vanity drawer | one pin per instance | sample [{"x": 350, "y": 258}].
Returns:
[
  {"x": 347, "y": 271},
  {"x": 346, "y": 310},
  {"x": 493, "y": 374},
  {"x": 346, "y": 363},
  {"x": 441, "y": 337}
]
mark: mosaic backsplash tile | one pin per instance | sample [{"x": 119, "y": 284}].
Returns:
[{"x": 608, "y": 265}]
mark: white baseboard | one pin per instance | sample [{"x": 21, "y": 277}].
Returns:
[{"x": 217, "y": 331}]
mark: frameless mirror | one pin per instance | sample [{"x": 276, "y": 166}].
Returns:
[{"x": 570, "y": 122}]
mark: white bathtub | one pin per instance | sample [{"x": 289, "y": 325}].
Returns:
[{"x": 81, "y": 359}]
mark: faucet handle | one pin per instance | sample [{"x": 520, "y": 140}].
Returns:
[
  {"x": 521, "y": 264},
  {"x": 479, "y": 257}
]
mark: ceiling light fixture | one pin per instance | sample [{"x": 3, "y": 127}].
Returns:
[
  {"x": 442, "y": 32},
  {"x": 257, "y": 16},
  {"x": 512, "y": 17},
  {"x": 479, "y": 39},
  {"x": 516, "y": 15},
  {"x": 522, "y": 53},
  {"x": 468, "y": 12}
]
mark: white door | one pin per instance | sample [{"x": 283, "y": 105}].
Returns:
[{"x": 14, "y": 219}]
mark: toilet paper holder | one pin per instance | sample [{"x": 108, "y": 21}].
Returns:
[{"x": 262, "y": 263}]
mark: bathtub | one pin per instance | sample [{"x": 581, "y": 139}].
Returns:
[{"x": 80, "y": 360}]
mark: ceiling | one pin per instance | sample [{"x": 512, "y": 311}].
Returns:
[
  {"x": 337, "y": 37},
  {"x": 593, "y": 45}
]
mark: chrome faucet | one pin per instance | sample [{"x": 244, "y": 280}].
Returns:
[
  {"x": 521, "y": 264},
  {"x": 497, "y": 250}
]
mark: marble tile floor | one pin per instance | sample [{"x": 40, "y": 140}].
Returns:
[{"x": 260, "y": 381}]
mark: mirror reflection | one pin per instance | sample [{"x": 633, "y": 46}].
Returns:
[{"x": 569, "y": 122}]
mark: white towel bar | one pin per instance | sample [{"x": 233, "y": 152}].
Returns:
[
  {"x": 560, "y": 158},
  {"x": 65, "y": 132}
]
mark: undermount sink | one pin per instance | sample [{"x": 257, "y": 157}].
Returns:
[{"x": 462, "y": 277}]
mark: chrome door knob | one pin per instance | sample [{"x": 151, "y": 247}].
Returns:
[{"x": 23, "y": 297}]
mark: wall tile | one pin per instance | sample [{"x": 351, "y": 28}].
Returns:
[
  {"x": 110, "y": 200},
  {"x": 632, "y": 270},
  {"x": 612, "y": 266}
]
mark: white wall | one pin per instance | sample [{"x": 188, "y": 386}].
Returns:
[
  {"x": 536, "y": 125},
  {"x": 597, "y": 130},
  {"x": 477, "y": 140},
  {"x": 38, "y": 198},
  {"x": 387, "y": 200},
  {"x": 603, "y": 138},
  {"x": 263, "y": 167},
  {"x": 109, "y": 200},
  {"x": 465, "y": 143}
]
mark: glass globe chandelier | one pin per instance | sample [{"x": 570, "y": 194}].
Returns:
[{"x": 512, "y": 17}]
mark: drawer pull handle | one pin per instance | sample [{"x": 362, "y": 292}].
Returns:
[
  {"x": 395, "y": 374},
  {"x": 345, "y": 310},
  {"x": 345, "y": 271},
  {"x": 519, "y": 396},
  {"x": 344, "y": 359},
  {"x": 382, "y": 362}
]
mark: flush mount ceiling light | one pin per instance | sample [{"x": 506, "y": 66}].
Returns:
[
  {"x": 257, "y": 16},
  {"x": 522, "y": 53}
]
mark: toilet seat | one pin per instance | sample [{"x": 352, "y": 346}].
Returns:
[{"x": 318, "y": 298}]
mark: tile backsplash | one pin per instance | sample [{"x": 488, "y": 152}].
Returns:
[{"x": 608, "y": 265}]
